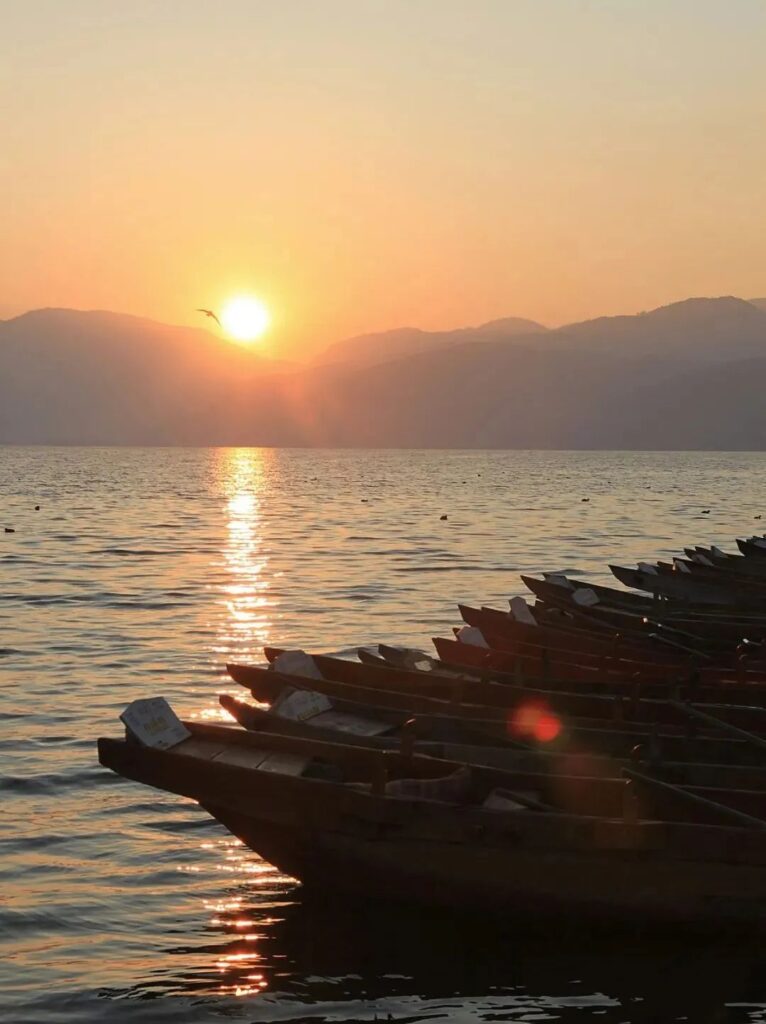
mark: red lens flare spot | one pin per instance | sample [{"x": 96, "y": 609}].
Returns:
[
  {"x": 547, "y": 728},
  {"x": 524, "y": 719},
  {"x": 534, "y": 721}
]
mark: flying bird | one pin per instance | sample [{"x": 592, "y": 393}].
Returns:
[{"x": 209, "y": 312}]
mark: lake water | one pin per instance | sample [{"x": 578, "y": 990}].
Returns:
[{"x": 143, "y": 572}]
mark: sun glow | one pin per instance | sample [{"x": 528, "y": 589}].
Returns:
[{"x": 245, "y": 318}]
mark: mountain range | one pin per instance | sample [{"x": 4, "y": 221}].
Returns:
[
  {"x": 688, "y": 375},
  {"x": 383, "y": 346}
]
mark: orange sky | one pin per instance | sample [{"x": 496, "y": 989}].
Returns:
[{"x": 363, "y": 164}]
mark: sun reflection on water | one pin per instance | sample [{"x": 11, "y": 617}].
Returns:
[
  {"x": 240, "y": 963},
  {"x": 245, "y": 605},
  {"x": 241, "y": 623}
]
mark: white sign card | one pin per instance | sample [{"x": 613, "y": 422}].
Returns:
[
  {"x": 154, "y": 723},
  {"x": 296, "y": 663},
  {"x": 300, "y": 705},
  {"x": 471, "y": 635},
  {"x": 520, "y": 611}
]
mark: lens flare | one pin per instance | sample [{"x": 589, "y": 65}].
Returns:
[{"x": 534, "y": 721}]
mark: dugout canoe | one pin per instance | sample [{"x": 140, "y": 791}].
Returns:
[
  {"x": 351, "y": 825},
  {"x": 725, "y": 562},
  {"x": 683, "y": 588},
  {"x": 534, "y": 727},
  {"x": 714, "y": 628},
  {"x": 754, "y": 547},
  {"x": 572, "y": 641},
  {"x": 598, "y": 707},
  {"x": 740, "y": 684},
  {"x": 405, "y": 734}
]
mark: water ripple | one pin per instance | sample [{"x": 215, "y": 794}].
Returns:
[{"x": 144, "y": 572}]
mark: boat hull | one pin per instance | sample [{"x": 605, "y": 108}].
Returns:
[
  {"x": 621, "y": 888},
  {"x": 339, "y": 839}
]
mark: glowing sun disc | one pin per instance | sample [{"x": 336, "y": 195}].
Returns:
[{"x": 245, "y": 319}]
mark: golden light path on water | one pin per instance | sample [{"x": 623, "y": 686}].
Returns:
[
  {"x": 242, "y": 602},
  {"x": 243, "y": 606},
  {"x": 246, "y": 598},
  {"x": 238, "y": 962}
]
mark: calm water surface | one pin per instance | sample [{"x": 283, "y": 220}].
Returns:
[{"x": 143, "y": 572}]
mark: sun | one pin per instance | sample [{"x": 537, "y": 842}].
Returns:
[{"x": 245, "y": 318}]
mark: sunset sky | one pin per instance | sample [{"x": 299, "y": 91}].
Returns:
[{"x": 363, "y": 164}]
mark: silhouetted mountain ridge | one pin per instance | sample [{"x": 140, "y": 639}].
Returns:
[
  {"x": 707, "y": 328},
  {"x": 688, "y": 375},
  {"x": 382, "y": 346}
]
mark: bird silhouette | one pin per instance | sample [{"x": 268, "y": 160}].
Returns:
[{"x": 209, "y": 312}]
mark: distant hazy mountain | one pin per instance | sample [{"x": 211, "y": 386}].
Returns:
[
  {"x": 72, "y": 375},
  {"x": 500, "y": 396},
  {"x": 384, "y": 346},
  {"x": 701, "y": 328},
  {"x": 717, "y": 329},
  {"x": 689, "y": 375},
  {"x": 760, "y": 303}
]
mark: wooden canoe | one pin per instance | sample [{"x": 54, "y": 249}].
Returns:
[
  {"x": 737, "y": 574},
  {"x": 556, "y": 593},
  {"x": 534, "y": 727},
  {"x": 405, "y": 735},
  {"x": 717, "y": 627},
  {"x": 685, "y": 588},
  {"x": 741, "y": 685},
  {"x": 344, "y": 830},
  {"x": 474, "y": 667},
  {"x": 572, "y": 641},
  {"x": 738, "y": 564},
  {"x": 744, "y": 589},
  {"x": 540, "y": 662},
  {"x": 657, "y": 608},
  {"x": 675, "y": 649},
  {"x": 598, "y": 706},
  {"x": 615, "y": 687},
  {"x": 750, "y": 549}
]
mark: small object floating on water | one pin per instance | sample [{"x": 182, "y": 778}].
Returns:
[
  {"x": 37, "y": 508},
  {"x": 365, "y": 499},
  {"x": 584, "y": 499},
  {"x": 706, "y": 512},
  {"x": 757, "y": 517},
  {"x": 442, "y": 518},
  {"x": 9, "y": 529}
]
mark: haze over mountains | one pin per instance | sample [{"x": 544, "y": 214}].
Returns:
[
  {"x": 688, "y": 375},
  {"x": 383, "y": 346}
]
